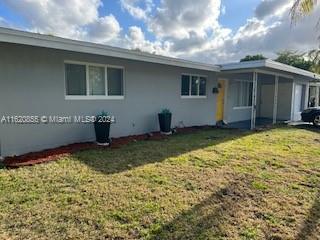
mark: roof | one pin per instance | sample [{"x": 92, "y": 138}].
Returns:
[
  {"x": 269, "y": 64},
  {"x": 39, "y": 40}
]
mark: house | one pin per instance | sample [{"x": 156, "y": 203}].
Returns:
[{"x": 46, "y": 81}]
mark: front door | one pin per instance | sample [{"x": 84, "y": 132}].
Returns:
[{"x": 220, "y": 100}]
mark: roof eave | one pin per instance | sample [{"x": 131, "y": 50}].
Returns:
[
  {"x": 39, "y": 40},
  {"x": 251, "y": 65}
]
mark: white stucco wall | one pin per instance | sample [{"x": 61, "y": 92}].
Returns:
[{"x": 32, "y": 83}]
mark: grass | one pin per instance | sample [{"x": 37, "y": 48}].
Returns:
[{"x": 212, "y": 184}]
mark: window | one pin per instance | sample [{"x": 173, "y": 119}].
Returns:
[
  {"x": 115, "y": 77},
  {"x": 93, "y": 81},
  {"x": 193, "y": 86},
  {"x": 76, "y": 79},
  {"x": 185, "y": 85},
  {"x": 243, "y": 90},
  {"x": 97, "y": 81},
  {"x": 202, "y": 86}
]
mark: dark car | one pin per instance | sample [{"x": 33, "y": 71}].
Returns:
[{"x": 311, "y": 115}]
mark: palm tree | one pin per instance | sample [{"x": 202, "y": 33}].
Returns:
[
  {"x": 302, "y": 8},
  {"x": 314, "y": 56}
]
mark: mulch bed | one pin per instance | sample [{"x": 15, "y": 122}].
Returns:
[{"x": 44, "y": 156}]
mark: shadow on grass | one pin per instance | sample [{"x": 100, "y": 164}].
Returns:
[
  {"x": 308, "y": 127},
  {"x": 145, "y": 152},
  {"x": 210, "y": 218},
  {"x": 312, "y": 222},
  {"x": 2, "y": 166}
]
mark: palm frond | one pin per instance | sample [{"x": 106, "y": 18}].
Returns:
[
  {"x": 302, "y": 8},
  {"x": 314, "y": 56}
]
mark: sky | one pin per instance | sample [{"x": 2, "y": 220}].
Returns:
[{"x": 211, "y": 31}]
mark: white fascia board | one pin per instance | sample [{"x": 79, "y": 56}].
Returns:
[
  {"x": 291, "y": 69},
  {"x": 242, "y": 65},
  {"x": 271, "y": 65},
  {"x": 39, "y": 40}
]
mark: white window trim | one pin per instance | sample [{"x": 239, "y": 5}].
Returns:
[
  {"x": 76, "y": 97},
  {"x": 94, "y": 97},
  {"x": 190, "y": 83},
  {"x": 243, "y": 107},
  {"x": 191, "y": 97}
]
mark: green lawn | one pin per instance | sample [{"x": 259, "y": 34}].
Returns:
[{"x": 211, "y": 184}]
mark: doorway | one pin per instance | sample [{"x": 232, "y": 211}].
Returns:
[
  {"x": 220, "y": 100},
  {"x": 299, "y": 99}
]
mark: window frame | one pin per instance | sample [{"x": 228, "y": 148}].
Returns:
[
  {"x": 94, "y": 97},
  {"x": 190, "y": 84}
]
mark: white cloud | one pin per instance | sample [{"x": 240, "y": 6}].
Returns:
[
  {"x": 266, "y": 37},
  {"x": 253, "y": 28},
  {"x": 135, "y": 39},
  {"x": 268, "y": 8},
  {"x": 180, "y": 19},
  {"x": 3, "y": 22},
  {"x": 223, "y": 10},
  {"x": 71, "y": 19},
  {"x": 137, "y": 8},
  {"x": 104, "y": 29},
  {"x": 182, "y": 28}
]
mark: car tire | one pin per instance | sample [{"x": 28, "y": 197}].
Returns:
[{"x": 316, "y": 120}]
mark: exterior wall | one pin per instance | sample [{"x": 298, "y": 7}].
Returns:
[
  {"x": 284, "y": 99},
  {"x": 265, "y": 96},
  {"x": 265, "y": 99},
  {"x": 32, "y": 83}
]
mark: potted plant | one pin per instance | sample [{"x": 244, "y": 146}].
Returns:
[
  {"x": 165, "y": 121},
  {"x": 102, "y": 128}
]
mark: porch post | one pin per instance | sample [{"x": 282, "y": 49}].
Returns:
[
  {"x": 317, "y": 95},
  {"x": 275, "y": 100},
  {"x": 293, "y": 100},
  {"x": 254, "y": 100}
]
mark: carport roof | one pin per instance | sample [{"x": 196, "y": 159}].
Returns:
[{"x": 270, "y": 65}]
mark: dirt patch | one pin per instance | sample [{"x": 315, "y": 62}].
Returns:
[{"x": 48, "y": 155}]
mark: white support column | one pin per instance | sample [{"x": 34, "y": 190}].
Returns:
[
  {"x": 254, "y": 100},
  {"x": 292, "y": 100},
  {"x": 275, "y": 99},
  {"x": 317, "y": 96}
]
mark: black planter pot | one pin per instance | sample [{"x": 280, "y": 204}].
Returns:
[
  {"x": 102, "y": 130},
  {"x": 165, "y": 122}
]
